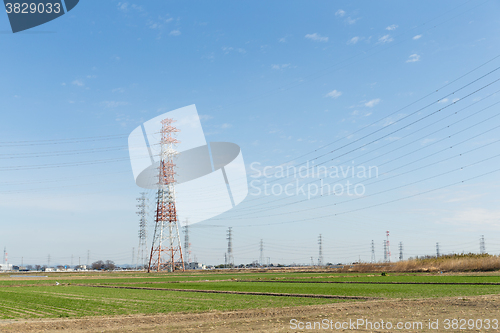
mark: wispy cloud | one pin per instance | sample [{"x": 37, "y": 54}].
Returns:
[
  {"x": 316, "y": 37},
  {"x": 278, "y": 67},
  {"x": 113, "y": 104},
  {"x": 373, "y": 102},
  {"x": 417, "y": 37},
  {"x": 340, "y": 13},
  {"x": 282, "y": 40},
  {"x": 175, "y": 33},
  {"x": 385, "y": 39},
  {"x": 444, "y": 100},
  {"x": 228, "y": 49},
  {"x": 353, "y": 40},
  {"x": 78, "y": 83},
  {"x": 350, "y": 20},
  {"x": 413, "y": 58},
  {"x": 392, "y": 27},
  {"x": 226, "y": 125},
  {"x": 334, "y": 94}
]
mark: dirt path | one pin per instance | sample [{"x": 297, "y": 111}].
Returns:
[{"x": 278, "y": 320}]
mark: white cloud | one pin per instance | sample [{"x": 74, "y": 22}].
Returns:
[
  {"x": 372, "y": 103},
  {"x": 340, "y": 13},
  {"x": 226, "y": 125},
  {"x": 385, "y": 39},
  {"x": 392, "y": 27},
  {"x": 282, "y": 40},
  {"x": 351, "y": 20},
  {"x": 228, "y": 49},
  {"x": 282, "y": 66},
  {"x": 316, "y": 37},
  {"x": 118, "y": 90},
  {"x": 205, "y": 117},
  {"x": 334, "y": 94},
  {"x": 113, "y": 104},
  {"x": 455, "y": 100},
  {"x": 174, "y": 33},
  {"x": 417, "y": 37},
  {"x": 123, "y": 6},
  {"x": 413, "y": 58},
  {"x": 78, "y": 83},
  {"x": 444, "y": 100},
  {"x": 353, "y": 40}
]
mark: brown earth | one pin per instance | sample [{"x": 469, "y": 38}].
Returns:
[{"x": 278, "y": 319}]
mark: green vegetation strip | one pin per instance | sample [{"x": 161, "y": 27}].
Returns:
[
  {"x": 343, "y": 289},
  {"x": 238, "y": 292},
  {"x": 378, "y": 282},
  {"x": 76, "y": 301}
]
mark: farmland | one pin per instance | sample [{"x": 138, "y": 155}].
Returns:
[{"x": 79, "y": 297}]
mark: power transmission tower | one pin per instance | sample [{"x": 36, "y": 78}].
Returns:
[
  {"x": 385, "y": 251},
  {"x": 387, "y": 248},
  {"x": 482, "y": 247},
  {"x": 187, "y": 244},
  {"x": 142, "y": 248},
  {"x": 373, "y": 252},
  {"x": 5, "y": 260},
  {"x": 166, "y": 256},
  {"x": 88, "y": 258},
  {"x": 48, "y": 260},
  {"x": 400, "y": 250},
  {"x": 437, "y": 250},
  {"x": 230, "y": 258},
  {"x": 133, "y": 256},
  {"x": 261, "y": 259},
  {"x": 320, "y": 257},
  {"x": 71, "y": 261}
]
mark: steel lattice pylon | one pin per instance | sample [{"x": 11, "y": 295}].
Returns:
[
  {"x": 166, "y": 256},
  {"x": 142, "y": 248}
]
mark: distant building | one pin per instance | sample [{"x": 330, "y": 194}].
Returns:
[
  {"x": 5, "y": 267},
  {"x": 196, "y": 265}
]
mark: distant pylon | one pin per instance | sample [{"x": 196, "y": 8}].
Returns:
[
  {"x": 187, "y": 244},
  {"x": 142, "y": 248},
  {"x": 373, "y": 252},
  {"x": 230, "y": 257},
  {"x": 482, "y": 247},
  {"x": 400, "y": 250},
  {"x": 437, "y": 250},
  {"x": 5, "y": 261},
  {"x": 320, "y": 257},
  {"x": 261, "y": 258},
  {"x": 387, "y": 247},
  {"x": 166, "y": 256}
]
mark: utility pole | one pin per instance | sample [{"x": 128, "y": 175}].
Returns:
[
  {"x": 88, "y": 258},
  {"x": 142, "y": 248},
  {"x": 400, "y": 250},
  {"x": 261, "y": 259},
  {"x": 482, "y": 247},
  {"x": 48, "y": 260},
  {"x": 71, "y": 260},
  {"x": 373, "y": 252},
  {"x": 320, "y": 257},
  {"x": 437, "y": 250},
  {"x": 229, "y": 238}
]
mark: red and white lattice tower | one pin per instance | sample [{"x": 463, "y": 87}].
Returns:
[{"x": 166, "y": 251}]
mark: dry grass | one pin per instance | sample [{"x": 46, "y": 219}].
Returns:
[{"x": 448, "y": 263}]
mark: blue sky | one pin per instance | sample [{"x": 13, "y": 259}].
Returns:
[{"x": 282, "y": 80}]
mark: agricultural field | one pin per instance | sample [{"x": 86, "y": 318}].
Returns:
[{"x": 237, "y": 300}]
